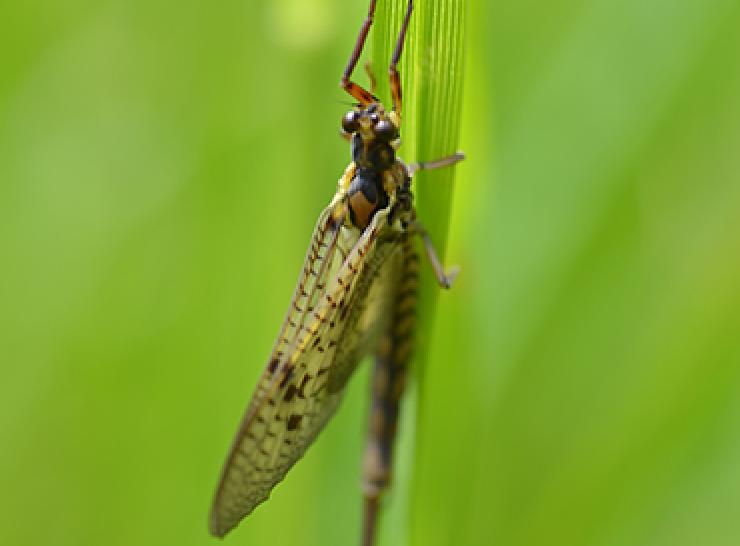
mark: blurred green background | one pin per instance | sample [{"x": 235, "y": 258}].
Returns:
[{"x": 161, "y": 167}]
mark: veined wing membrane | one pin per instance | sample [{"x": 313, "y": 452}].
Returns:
[
  {"x": 311, "y": 282},
  {"x": 370, "y": 312},
  {"x": 292, "y": 401}
]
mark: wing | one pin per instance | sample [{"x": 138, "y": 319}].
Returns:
[
  {"x": 370, "y": 313},
  {"x": 328, "y": 327}
]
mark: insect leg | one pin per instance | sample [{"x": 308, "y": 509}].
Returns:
[
  {"x": 445, "y": 280},
  {"x": 358, "y": 92},
  {"x": 392, "y": 70},
  {"x": 389, "y": 378},
  {"x": 435, "y": 164}
]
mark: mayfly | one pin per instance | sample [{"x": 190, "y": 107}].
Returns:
[{"x": 356, "y": 294}]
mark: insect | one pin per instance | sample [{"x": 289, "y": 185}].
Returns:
[{"x": 356, "y": 294}]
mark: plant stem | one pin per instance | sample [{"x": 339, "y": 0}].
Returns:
[{"x": 432, "y": 78}]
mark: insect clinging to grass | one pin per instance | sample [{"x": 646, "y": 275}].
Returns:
[{"x": 356, "y": 295}]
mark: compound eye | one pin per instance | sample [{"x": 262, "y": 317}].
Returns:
[
  {"x": 385, "y": 130},
  {"x": 350, "y": 121}
]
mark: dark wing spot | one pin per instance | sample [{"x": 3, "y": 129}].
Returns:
[
  {"x": 288, "y": 375},
  {"x": 290, "y": 393},
  {"x": 294, "y": 421},
  {"x": 306, "y": 379},
  {"x": 272, "y": 366}
]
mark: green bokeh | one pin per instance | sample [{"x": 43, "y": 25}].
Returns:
[{"x": 161, "y": 167}]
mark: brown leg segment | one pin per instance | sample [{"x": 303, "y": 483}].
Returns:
[
  {"x": 392, "y": 70},
  {"x": 357, "y": 91},
  {"x": 389, "y": 378}
]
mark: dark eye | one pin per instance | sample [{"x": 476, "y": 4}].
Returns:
[
  {"x": 385, "y": 130},
  {"x": 374, "y": 118},
  {"x": 349, "y": 122}
]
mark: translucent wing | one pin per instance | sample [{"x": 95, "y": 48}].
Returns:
[{"x": 329, "y": 326}]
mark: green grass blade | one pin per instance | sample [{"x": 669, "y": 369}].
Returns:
[{"x": 431, "y": 70}]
